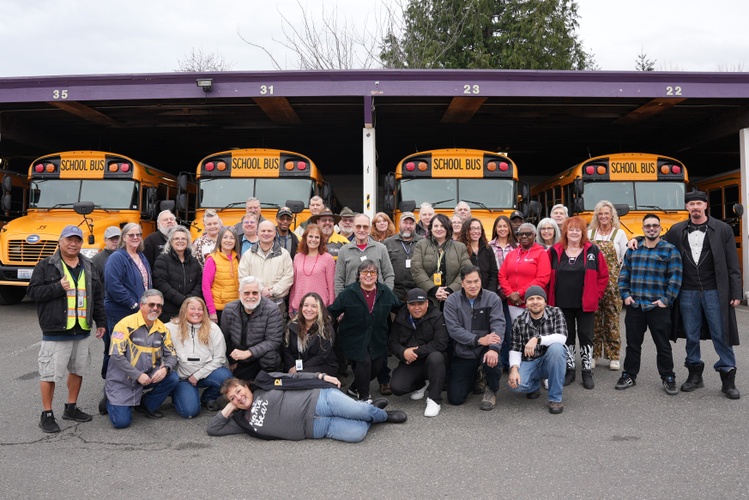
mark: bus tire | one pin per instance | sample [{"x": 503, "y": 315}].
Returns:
[{"x": 10, "y": 295}]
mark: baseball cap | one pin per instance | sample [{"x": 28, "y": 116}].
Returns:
[
  {"x": 517, "y": 213},
  {"x": 69, "y": 231},
  {"x": 416, "y": 295},
  {"x": 408, "y": 215},
  {"x": 284, "y": 211},
  {"x": 111, "y": 232}
]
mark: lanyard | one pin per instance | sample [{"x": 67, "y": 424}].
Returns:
[{"x": 407, "y": 250}]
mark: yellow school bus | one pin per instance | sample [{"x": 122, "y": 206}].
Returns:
[
  {"x": 226, "y": 179},
  {"x": 636, "y": 183},
  {"x": 487, "y": 181},
  {"x": 90, "y": 189},
  {"x": 15, "y": 191},
  {"x": 724, "y": 194}
]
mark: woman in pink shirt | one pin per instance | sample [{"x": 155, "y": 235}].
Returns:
[{"x": 314, "y": 269}]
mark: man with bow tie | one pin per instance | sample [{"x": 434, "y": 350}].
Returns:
[{"x": 710, "y": 290}]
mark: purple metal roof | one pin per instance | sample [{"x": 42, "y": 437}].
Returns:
[{"x": 392, "y": 83}]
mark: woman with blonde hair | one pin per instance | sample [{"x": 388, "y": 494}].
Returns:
[
  {"x": 605, "y": 232},
  {"x": 220, "y": 274},
  {"x": 308, "y": 343},
  {"x": 382, "y": 227},
  {"x": 201, "y": 354}
]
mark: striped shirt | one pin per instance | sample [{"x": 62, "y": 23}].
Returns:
[{"x": 651, "y": 274}]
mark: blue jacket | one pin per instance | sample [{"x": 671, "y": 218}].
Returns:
[{"x": 123, "y": 284}]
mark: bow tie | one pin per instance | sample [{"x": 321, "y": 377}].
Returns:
[{"x": 701, "y": 227}]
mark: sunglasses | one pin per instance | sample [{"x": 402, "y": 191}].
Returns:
[
  {"x": 154, "y": 305},
  {"x": 369, "y": 273},
  {"x": 525, "y": 234},
  {"x": 651, "y": 226}
]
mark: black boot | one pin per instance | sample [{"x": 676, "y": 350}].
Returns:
[
  {"x": 729, "y": 384},
  {"x": 569, "y": 376},
  {"x": 694, "y": 381}
]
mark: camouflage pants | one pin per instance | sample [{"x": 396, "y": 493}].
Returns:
[{"x": 606, "y": 334}]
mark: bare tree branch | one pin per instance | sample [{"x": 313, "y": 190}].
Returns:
[{"x": 197, "y": 61}]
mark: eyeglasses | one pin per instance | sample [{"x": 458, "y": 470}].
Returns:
[
  {"x": 359, "y": 226},
  {"x": 525, "y": 234},
  {"x": 651, "y": 226},
  {"x": 154, "y": 305},
  {"x": 546, "y": 229},
  {"x": 369, "y": 273},
  {"x": 134, "y": 235},
  {"x": 179, "y": 239}
]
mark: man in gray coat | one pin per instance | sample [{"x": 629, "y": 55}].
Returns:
[
  {"x": 253, "y": 329},
  {"x": 362, "y": 248},
  {"x": 400, "y": 249}
]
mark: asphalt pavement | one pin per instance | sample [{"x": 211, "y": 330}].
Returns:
[{"x": 638, "y": 443}]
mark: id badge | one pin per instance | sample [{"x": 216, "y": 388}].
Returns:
[
  {"x": 81, "y": 299},
  {"x": 363, "y": 258},
  {"x": 437, "y": 278},
  {"x": 408, "y": 263},
  {"x": 299, "y": 365}
]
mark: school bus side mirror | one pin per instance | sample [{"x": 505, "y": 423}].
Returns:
[
  {"x": 388, "y": 203},
  {"x": 535, "y": 208},
  {"x": 524, "y": 190},
  {"x": 83, "y": 207},
  {"x": 407, "y": 206},
  {"x": 578, "y": 205},
  {"x": 296, "y": 206},
  {"x": 34, "y": 196},
  {"x": 182, "y": 181},
  {"x": 622, "y": 209},
  {"x": 182, "y": 202},
  {"x": 578, "y": 187},
  {"x": 7, "y": 184},
  {"x": 167, "y": 205},
  {"x": 326, "y": 194},
  {"x": 738, "y": 209},
  {"x": 6, "y": 205},
  {"x": 389, "y": 185}
]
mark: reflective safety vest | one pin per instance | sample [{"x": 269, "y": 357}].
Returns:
[{"x": 77, "y": 301}]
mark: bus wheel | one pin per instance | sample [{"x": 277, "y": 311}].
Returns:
[{"x": 10, "y": 295}]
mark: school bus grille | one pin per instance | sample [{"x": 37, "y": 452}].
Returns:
[{"x": 19, "y": 251}]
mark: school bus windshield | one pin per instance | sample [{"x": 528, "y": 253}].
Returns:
[
  {"x": 648, "y": 196},
  {"x": 110, "y": 194},
  {"x": 217, "y": 193},
  {"x": 493, "y": 193}
]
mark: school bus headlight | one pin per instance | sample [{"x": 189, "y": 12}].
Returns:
[
  {"x": 423, "y": 166},
  {"x": 221, "y": 165},
  {"x": 209, "y": 166}
]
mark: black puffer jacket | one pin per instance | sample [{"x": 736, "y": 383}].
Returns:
[
  {"x": 177, "y": 280},
  {"x": 429, "y": 334},
  {"x": 261, "y": 334}
]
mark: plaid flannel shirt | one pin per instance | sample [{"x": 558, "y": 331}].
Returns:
[{"x": 523, "y": 329}]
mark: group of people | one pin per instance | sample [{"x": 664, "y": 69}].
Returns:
[{"x": 270, "y": 318}]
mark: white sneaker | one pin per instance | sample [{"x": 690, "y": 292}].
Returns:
[
  {"x": 614, "y": 365},
  {"x": 416, "y": 395},
  {"x": 546, "y": 384},
  {"x": 592, "y": 363},
  {"x": 433, "y": 409}
]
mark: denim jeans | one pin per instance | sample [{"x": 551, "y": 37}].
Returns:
[
  {"x": 552, "y": 365},
  {"x": 694, "y": 305},
  {"x": 186, "y": 397},
  {"x": 122, "y": 416},
  {"x": 337, "y": 416}
]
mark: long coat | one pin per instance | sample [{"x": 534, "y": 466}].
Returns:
[{"x": 727, "y": 274}]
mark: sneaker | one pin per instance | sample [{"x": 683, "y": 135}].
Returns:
[
  {"x": 489, "y": 401},
  {"x": 480, "y": 385},
  {"x": 614, "y": 365},
  {"x": 352, "y": 392},
  {"x": 546, "y": 384},
  {"x": 103, "y": 405},
  {"x": 141, "y": 408},
  {"x": 534, "y": 395},
  {"x": 385, "y": 389},
  {"x": 432, "y": 409},
  {"x": 588, "y": 379},
  {"x": 48, "y": 423},
  {"x": 669, "y": 383},
  {"x": 417, "y": 395},
  {"x": 592, "y": 363},
  {"x": 555, "y": 408},
  {"x": 624, "y": 382},
  {"x": 72, "y": 412}
]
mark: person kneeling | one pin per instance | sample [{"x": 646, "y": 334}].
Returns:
[
  {"x": 295, "y": 407},
  {"x": 537, "y": 351}
]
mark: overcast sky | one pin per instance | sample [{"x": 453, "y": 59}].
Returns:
[{"x": 52, "y": 37}]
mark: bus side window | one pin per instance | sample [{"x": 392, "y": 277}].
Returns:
[{"x": 715, "y": 203}]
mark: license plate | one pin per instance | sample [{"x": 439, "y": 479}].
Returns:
[{"x": 25, "y": 274}]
